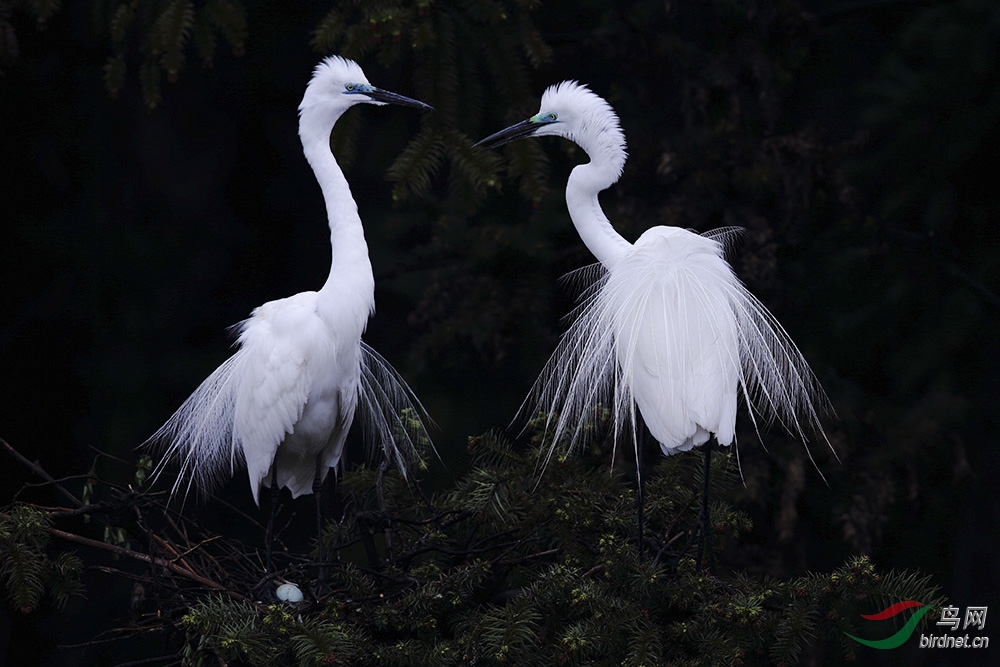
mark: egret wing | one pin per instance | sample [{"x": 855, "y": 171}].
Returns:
[{"x": 273, "y": 384}]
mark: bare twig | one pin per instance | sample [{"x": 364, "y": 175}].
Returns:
[
  {"x": 507, "y": 562},
  {"x": 169, "y": 564},
  {"x": 38, "y": 470},
  {"x": 62, "y": 512}
]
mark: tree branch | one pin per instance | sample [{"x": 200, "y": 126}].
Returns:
[
  {"x": 170, "y": 565},
  {"x": 38, "y": 470}
]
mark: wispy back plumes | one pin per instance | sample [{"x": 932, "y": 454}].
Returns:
[{"x": 667, "y": 317}]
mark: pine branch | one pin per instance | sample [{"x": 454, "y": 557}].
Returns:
[{"x": 170, "y": 33}]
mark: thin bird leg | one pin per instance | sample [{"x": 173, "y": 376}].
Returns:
[
  {"x": 704, "y": 518},
  {"x": 380, "y": 494},
  {"x": 640, "y": 498},
  {"x": 317, "y": 489},
  {"x": 380, "y": 483},
  {"x": 269, "y": 531}
]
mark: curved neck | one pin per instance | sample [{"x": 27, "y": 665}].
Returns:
[
  {"x": 350, "y": 269},
  {"x": 585, "y": 182}
]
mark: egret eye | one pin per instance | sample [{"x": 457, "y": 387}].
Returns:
[
  {"x": 552, "y": 116},
  {"x": 349, "y": 87}
]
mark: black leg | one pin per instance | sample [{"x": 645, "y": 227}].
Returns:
[
  {"x": 380, "y": 483},
  {"x": 317, "y": 489},
  {"x": 269, "y": 531},
  {"x": 704, "y": 517},
  {"x": 380, "y": 494},
  {"x": 640, "y": 499}
]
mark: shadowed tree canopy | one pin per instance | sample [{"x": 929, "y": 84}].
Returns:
[{"x": 155, "y": 191}]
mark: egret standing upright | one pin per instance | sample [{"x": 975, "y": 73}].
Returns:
[
  {"x": 285, "y": 400},
  {"x": 667, "y": 325}
]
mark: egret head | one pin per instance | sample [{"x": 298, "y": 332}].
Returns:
[
  {"x": 338, "y": 83},
  {"x": 572, "y": 111}
]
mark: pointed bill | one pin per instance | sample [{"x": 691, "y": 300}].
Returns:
[
  {"x": 525, "y": 128},
  {"x": 386, "y": 97}
]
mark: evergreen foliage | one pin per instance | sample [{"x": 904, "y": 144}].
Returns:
[
  {"x": 163, "y": 32},
  {"x": 28, "y": 573},
  {"x": 874, "y": 241},
  {"x": 509, "y": 566}
]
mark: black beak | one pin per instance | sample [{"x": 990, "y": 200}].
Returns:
[
  {"x": 517, "y": 131},
  {"x": 384, "y": 96}
]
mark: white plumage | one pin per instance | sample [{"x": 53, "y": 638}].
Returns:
[
  {"x": 285, "y": 401},
  {"x": 665, "y": 325}
]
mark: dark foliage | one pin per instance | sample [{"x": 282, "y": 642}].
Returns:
[
  {"x": 512, "y": 565},
  {"x": 854, "y": 141}
]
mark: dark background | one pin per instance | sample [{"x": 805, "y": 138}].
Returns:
[{"x": 857, "y": 142}]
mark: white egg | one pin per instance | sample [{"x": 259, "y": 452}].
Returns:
[{"x": 289, "y": 592}]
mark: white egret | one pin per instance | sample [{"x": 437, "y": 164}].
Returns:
[
  {"x": 666, "y": 326},
  {"x": 284, "y": 402}
]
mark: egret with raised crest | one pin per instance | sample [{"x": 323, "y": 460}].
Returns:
[
  {"x": 284, "y": 402},
  {"x": 666, "y": 326}
]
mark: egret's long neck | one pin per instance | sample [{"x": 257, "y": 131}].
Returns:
[
  {"x": 350, "y": 282},
  {"x": 585, "y": 182}
]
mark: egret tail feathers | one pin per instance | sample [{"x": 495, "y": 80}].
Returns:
[
  {"x": 582, "y": 377},
  {"x": 394, "y": 419},
  {"x": 198, "y": 438}
]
